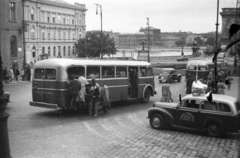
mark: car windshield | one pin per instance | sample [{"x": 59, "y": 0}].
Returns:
[
  {"x": 237, "y": 105},
  {"x": 165, "y": 72}
]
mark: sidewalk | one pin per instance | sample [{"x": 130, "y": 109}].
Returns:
[{"x": 14, "y": 82}]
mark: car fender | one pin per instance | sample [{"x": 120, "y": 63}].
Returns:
[
  {"x": 150, "y": 87},
  {"x": 169, "y": 119},
  {"x": 179, "y": 75}
]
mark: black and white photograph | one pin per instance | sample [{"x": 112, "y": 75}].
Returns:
[{"x": 119, "y": 79}]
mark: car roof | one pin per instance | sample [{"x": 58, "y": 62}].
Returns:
[
  {"x": 215, "y": 97},
  {"x": 168, "y": 69}
]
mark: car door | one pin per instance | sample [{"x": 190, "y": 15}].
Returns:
[
  {"x": 188, "y": 113},
  {"x": 174, "y": 75}
]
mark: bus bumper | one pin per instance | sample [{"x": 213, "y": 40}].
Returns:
[{"x": 44, "y": 105}]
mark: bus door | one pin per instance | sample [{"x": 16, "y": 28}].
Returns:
[{"x": 133, "y": 81}]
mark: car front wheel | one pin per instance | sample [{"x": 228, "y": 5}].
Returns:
[
  {"x": 213, "y": 129},
  {"x": 157, "y": 121}
]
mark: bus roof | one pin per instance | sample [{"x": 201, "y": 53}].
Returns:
[
  {"x": 64, "y": 62},
  {"x": 199, "y": 62}
]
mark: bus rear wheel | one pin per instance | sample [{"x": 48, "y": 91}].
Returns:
[{"x": 146, "y": 95}]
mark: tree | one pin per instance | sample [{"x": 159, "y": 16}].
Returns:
[
  {"x": 210, "y": 41},
  {"x": 198, "y": 40},
  {"x": 90, "y": 46},
  {"x": 180, "y": 42}
]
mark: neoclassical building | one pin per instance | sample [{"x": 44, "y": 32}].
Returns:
[
  {"x": 11, "y": 33},
  {"x": 53, "y": 26}
]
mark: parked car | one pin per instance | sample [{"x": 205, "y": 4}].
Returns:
[
  {"x": 217, "y": 117},
  {"x": 169, "y": 75},
  {"x": 182, "y": 58}
]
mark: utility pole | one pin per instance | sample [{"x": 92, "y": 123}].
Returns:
[
  {"x": 100, "y": 7},
  {"x": 148, "y": 41},
  {"x": 237, "y": 21}
]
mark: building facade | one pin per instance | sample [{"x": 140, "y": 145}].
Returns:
[
  {"x": 53, "y": 26},
  {"x": 11, "y": 33}
]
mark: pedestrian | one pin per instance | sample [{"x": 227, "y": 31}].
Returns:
[
  {"x": 210, "y": 75},
  {"x": 229, "y": 80},
  {"x": 210, "y": 85},
  {"x": 82, "y": 92},
  {"x": 17, "y": 73},
  {"x": 105, "y": 97},
  {"x": 190, "y": 80},
  {"x": 166, "y": 93},
  {"x": 89, "y": 99},
  {"x": 223, "y": 75},
  {"x": 96, "y": 96},
  {"x": 5, "y": 74},
  {"x": 11, "y": 74},
  {"x": 28, "y": 73},
  {"x": 220, "y": 87},
  {"x": 73, "y": 89}
]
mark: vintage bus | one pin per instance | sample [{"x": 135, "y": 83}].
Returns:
[
  {"x": 203, "y": 67},
  {"x": 126, "y": 80}
]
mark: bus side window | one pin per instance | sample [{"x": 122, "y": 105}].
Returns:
[
  {"x": 108, "y": 72},
  {"x": 93, "y": 72},
  {"x": 39, "y": 74},
  {"x": 121, "y": 72},
  {"x": 50, "y": 74},
  {"x": 143, "y": 71},
  {"x": 149, "y": 71}
]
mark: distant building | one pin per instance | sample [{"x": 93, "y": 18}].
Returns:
[
  {"x": 129, "y": 40},
  {"x": 53, "y": 26},
  {"x": 169, "y": 39},
  {"x": 154, "y": 35},
  {"x": 11, "y": 33}
]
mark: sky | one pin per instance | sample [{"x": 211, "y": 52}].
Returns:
[{"x": 128, "y": 16}]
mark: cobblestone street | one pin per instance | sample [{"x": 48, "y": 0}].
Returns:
[{"x": 174, "y": 143}]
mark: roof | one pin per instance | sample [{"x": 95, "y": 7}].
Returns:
[
  {"x": 64, "y": 62},
  {"x": 215, "y": 97},
  {"x": 167, "y": 69}
]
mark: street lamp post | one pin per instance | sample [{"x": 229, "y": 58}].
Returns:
[
  {"x": 143, "y": 42},
  {"x": 216, "y": 49},
  {"x": 182, "y": 50},
  {"x": 100, "y": 7}
]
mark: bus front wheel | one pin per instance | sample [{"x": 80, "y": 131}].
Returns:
[{"x": 146, "y": 96}]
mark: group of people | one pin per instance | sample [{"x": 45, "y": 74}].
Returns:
[
  {"x": 90, "y": 94},
  {"x": 14, "y": 74},
  {"x": 10, "y": 74}
]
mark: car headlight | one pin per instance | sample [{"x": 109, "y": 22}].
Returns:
[{"x": 162, "y": 77}]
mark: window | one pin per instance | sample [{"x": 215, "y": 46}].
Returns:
[
  {"x": 43, "y": 16},
  {"x": 149, "y": 71},
  {"x": 59, "y": 51},
  {"x": 54, "y": 16},
  {"x": 224, "y": 107},
  {"x": 43, "y": 34},
  {"x": 39, "y": 74},
  {"x": 49, "y": 51},
  {"x": 33, "y": 52},
  {"x": 59, "y": 34},
  {"x": 73, "y": 36},
  {"x": 12, "y": 7},
  {"x": 54, "y": 34},
  {"x": 108, "y": 72},
  {"x": 59, "y": 18},
  {"x": 33, "y": 32},
  {"x": 93, "y": 72},
  {"x": 121, "y": 72},
  {"x": 13, "y": 44},
  {"x": 143, "y": 71},
  {"x": 64, "y": 35},
  {"x": 64, "y": 20},
  {"x": 54, "y": 51},
  {"x": 68, "y": 20},
  {"x": 43, "y": 50},
  {"x": 73, "y": 50},
  {"x": 68, "y": 34},
  {"x": 191, "y": 104},
  {"x": 49, "y": 34},
  {"x": 48, "y": 17},
  {"x": 50, "y": 74},
  {"x": 68, "y": 50},
  {"x": 209, "y": 106},
  {"x": 64, "y": 51},
  {"x": 76, "y": 71},
  {"x": 73, "y": 22},
  {"x": 32, "y": 14}
]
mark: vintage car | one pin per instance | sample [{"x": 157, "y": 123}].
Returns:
[
  {"x": 182, "y": 58},
  {"x": 217, "y": 117},
  {"x": 169, "y": 75}
]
